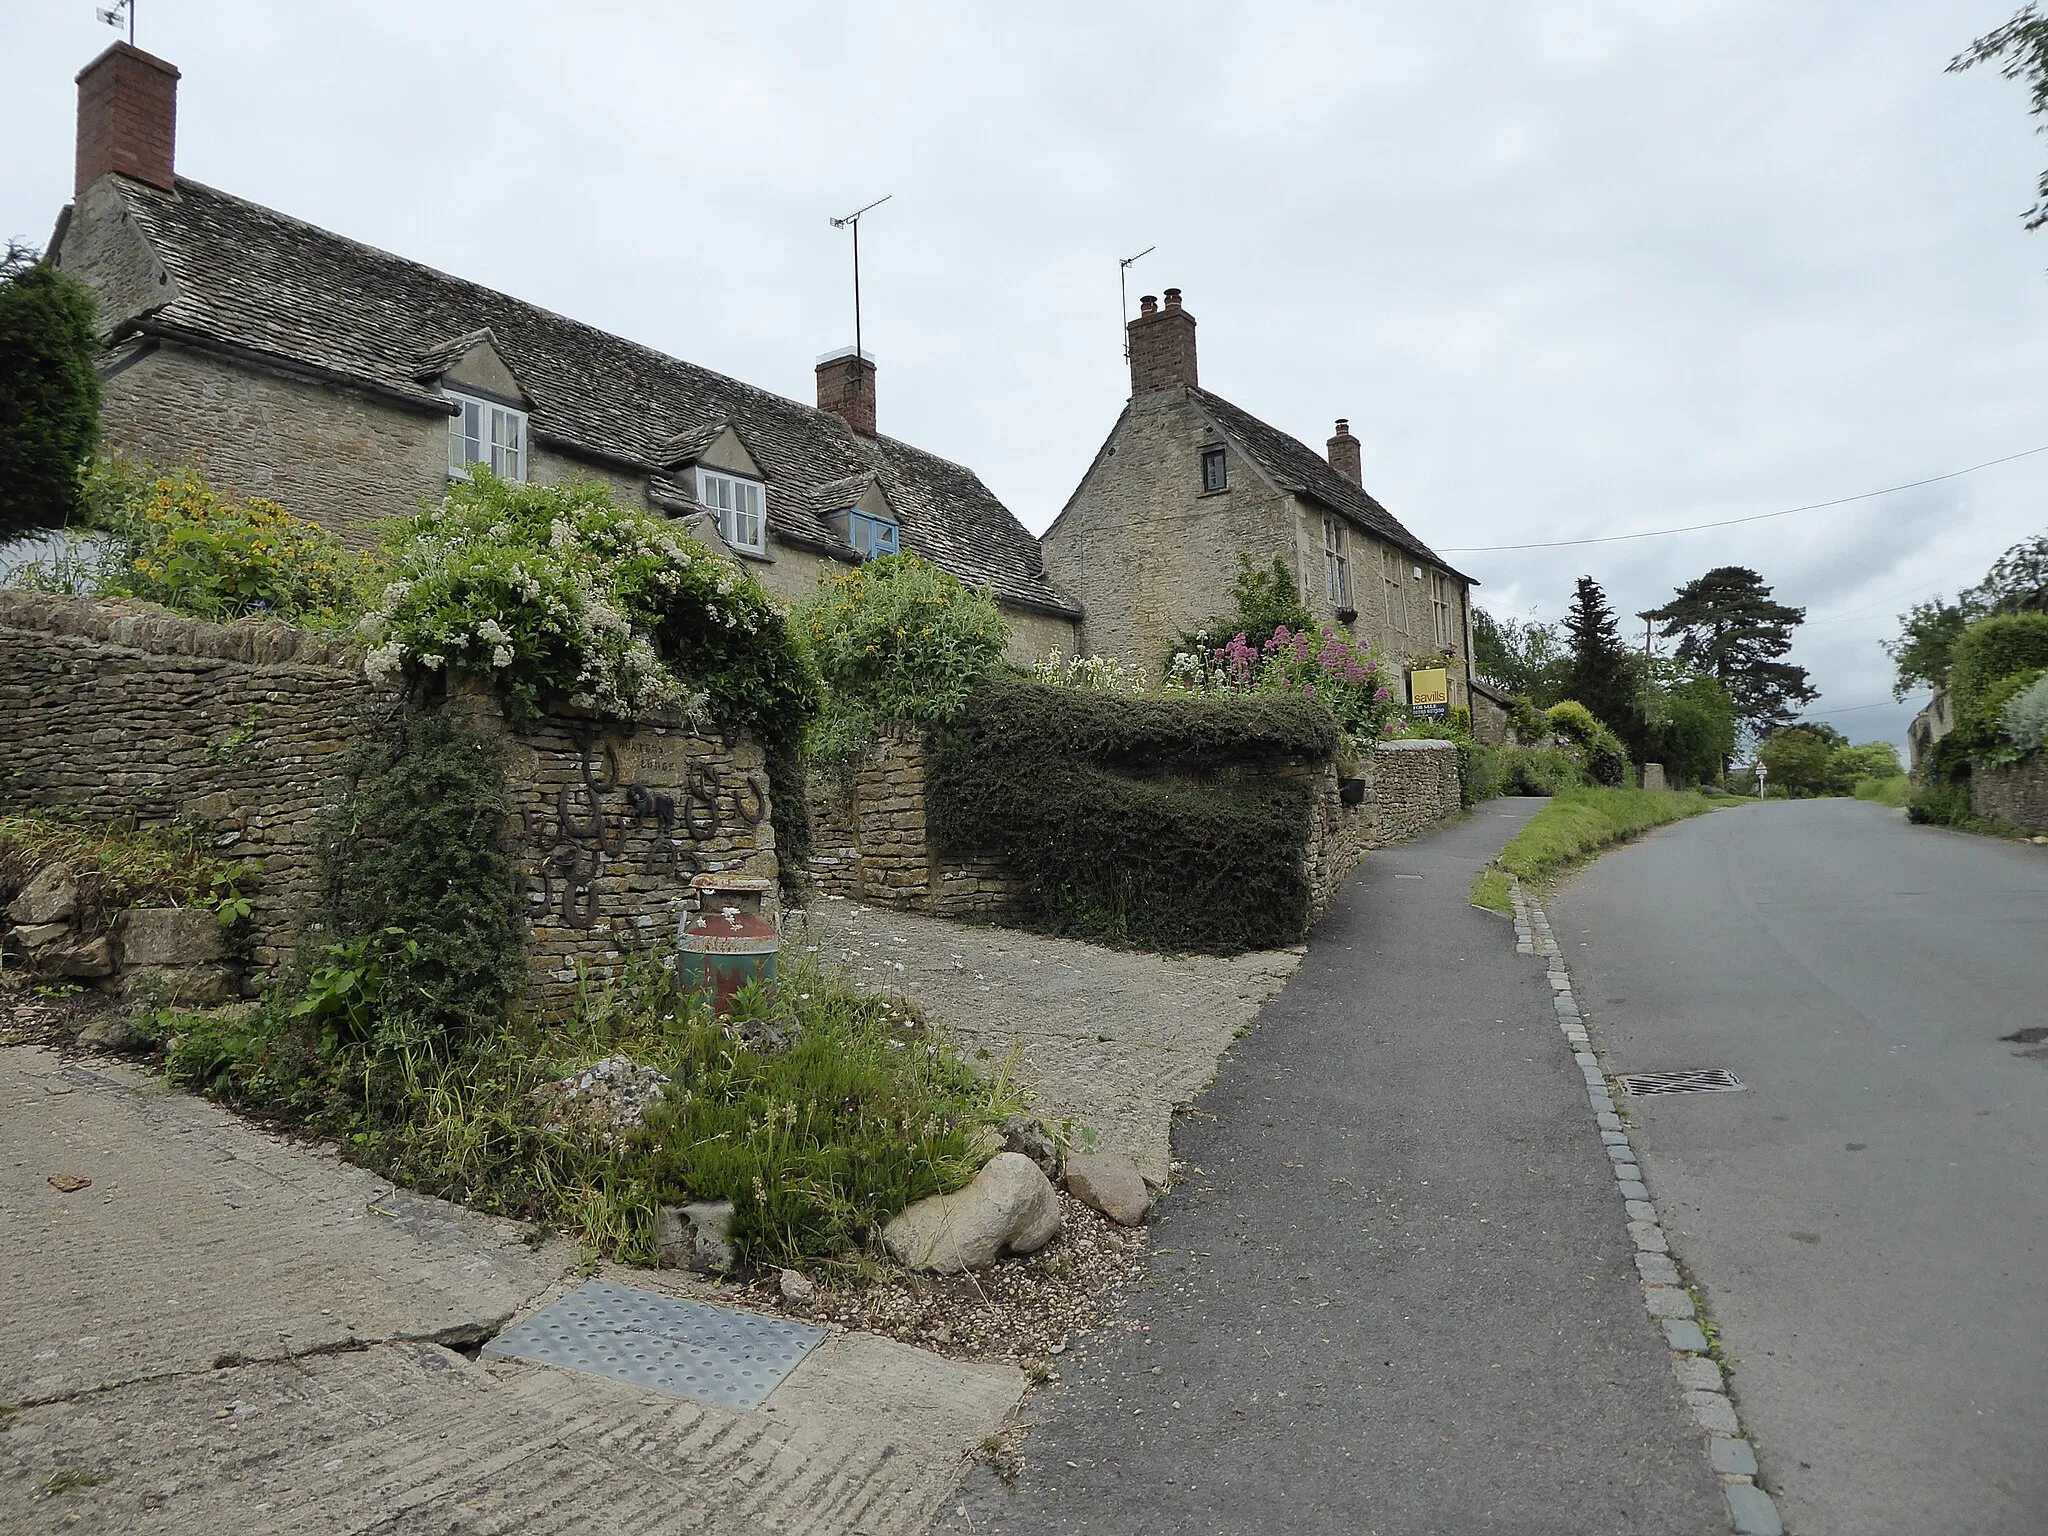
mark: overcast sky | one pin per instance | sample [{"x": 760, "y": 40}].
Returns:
[{"x": 1572, "y": 268}]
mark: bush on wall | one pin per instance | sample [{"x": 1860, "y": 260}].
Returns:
[
  {"x": 1986, "y": 654},
  {"x": 1601, "y": 751},
  {"x": 896, "y": 639},
  {"x": 1133, "y": 819},
  {"x": 554, "y": 592}
]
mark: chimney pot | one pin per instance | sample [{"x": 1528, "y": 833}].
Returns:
[
  {"x": 1344, "y": 454},
  {"x": 127, "y": 118},
  {"x": 846, "y": 388},
  {"x": 1161, "y": 344}
]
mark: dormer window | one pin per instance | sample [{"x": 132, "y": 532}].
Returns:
[
  {"x": 869, "y": 535},
  {"x": 484, "y": 432},
  {"x": 737, "y": 504}
]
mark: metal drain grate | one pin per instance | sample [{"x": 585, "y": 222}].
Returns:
[
  {"x": 1642, "y": 1085},
  {"x": 684, "y": 1348}
]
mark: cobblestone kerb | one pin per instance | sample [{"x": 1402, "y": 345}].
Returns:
[{"x": 1666, "y": 1297}]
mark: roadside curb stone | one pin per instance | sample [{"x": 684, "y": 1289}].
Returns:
[{"x": 1665, "y": 1299}]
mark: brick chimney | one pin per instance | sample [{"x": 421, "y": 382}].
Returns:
[
  {"x": 127, "y": 117},
  {"x": 1162, "y": 343},
  {"x": 846, "y": 388},
  {"x": 1344, "y": 453}
]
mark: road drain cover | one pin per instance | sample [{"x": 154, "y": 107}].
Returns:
[
  {"x": 684, "y": 1348},
  {"x": 1645, "y": 1084}
]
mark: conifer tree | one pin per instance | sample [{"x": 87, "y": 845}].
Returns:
[
  {"x": 49, "y": 393},
  {"x": 1728, "y": 627},
  {"x": 1602, "y": 678}
]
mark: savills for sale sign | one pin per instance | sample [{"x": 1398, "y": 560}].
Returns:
[{"x": 1429, "y": 692}]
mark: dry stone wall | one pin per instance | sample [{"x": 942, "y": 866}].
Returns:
[
  {"x": 869, "y": 840},
  {"x": 1414, "y": 786},
  {"x": 115, "y": 710},
  {"x": 2017, "y": 796}
]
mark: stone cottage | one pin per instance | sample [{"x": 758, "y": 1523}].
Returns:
[
  {"x": 1187, "y": 482},
  {"x": 350, "y": 385}
]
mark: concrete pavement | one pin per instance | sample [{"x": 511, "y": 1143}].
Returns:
[
  {"x": 1869, "y": 1220},
  {"x": 1395, "y": 1292},
  {"x": 226, "y": 1331}
]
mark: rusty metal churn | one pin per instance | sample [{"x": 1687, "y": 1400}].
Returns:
[{"x": 732, "y": 937}]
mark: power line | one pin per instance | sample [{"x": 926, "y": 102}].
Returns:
[
  {"x": 1813, "y": 506},
  {"x": 1850, "y": 709}
]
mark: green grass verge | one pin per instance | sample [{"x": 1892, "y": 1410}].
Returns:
[
  {"x": 1580, "y": 823},
  {"x": 1893, "y": 791},
  {"x": 1490, "y": 891},
  {"x": 819, "y": 1111}
]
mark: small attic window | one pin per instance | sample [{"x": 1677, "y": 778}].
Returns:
[
  {"x": 484, "y": 432},
  {"x": 1215, "y": 472},
  {"x": 869, "y": 535},
  {"x": 737, "y": 504}
]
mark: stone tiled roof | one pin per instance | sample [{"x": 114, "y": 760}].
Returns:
[
  {"x": 1296, "y": 467},
  {"x": 251, "y": 278}
]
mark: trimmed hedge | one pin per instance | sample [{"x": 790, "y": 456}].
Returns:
[{"x": 1152, "y": 821}]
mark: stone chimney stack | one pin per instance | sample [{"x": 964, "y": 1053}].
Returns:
[
  {"x": 1162, "y": 343},
  {"x": 127, "y": 117},
  {"x": 1344, "y": 453},
  {"x": 846, "y": 388}
]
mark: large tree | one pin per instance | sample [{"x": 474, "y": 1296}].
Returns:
[
  {"x": 1929, "y": 630},
  {"x": 1602, "y": 676},
  {"x": 49, "y": 393},
  {"x": 2020, "y": 50},
  {"x": 1528, "y": 660},
  {"x": 1727, "y": 627}
]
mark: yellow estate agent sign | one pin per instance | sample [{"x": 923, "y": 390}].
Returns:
[{"x": 1432, "y": 686}]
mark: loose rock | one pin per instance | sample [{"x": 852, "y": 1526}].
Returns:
[
  {"x": 78, "y": 957},
  {"x": 36, "y": 935},
  {"x": 1111, "y": 1184},
  {"x": 796, "y": 1286},
  {"x": 170, "y": 936},
  {"x": 110, "y": 1032},
  {"x": 1030, "y": 1137},
  {"x": 611, "y": 1096},
  {"x": 51, "y": 896},
  {"x": 1010, "y": 1208},
  {"x": 711, "y": 1247}
]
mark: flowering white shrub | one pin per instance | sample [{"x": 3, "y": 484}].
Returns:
[
  {"x": 2025, "y": 720},
  {"x": 552, "y": 590},
  {"x": 1090, "y": 674}
]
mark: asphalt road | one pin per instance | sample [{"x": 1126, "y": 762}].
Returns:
[
  {"x": 1394, "y": 1295},
  {"x": 1869, "y": 1220}
]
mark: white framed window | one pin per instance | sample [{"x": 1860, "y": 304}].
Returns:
[
  {"x": 484, "y": 432},
  {"x": 1337, "y": 564},
  {"x": 1392, "y": 569},
  {"x": 1440, "y": 599},
  {"x": 737, "y": 505}
]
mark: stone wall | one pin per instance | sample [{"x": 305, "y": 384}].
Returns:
[
  {"x": 122, "y": 710},
  {"x": 1414, "y": 786},
  {"x": 869, "y": 840},
  {"x": 2017, "y": 796}
]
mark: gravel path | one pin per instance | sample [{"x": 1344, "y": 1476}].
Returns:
[{"x": 1112, "y": 1038}]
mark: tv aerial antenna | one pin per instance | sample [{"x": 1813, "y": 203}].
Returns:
[
  {"x": 1123, "y": 293},
  {"x": 115, "y": 14},
  {"x": 852, "y": 220}
]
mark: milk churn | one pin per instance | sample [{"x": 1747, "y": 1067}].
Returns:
[{"x": 731, "y": 939}]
